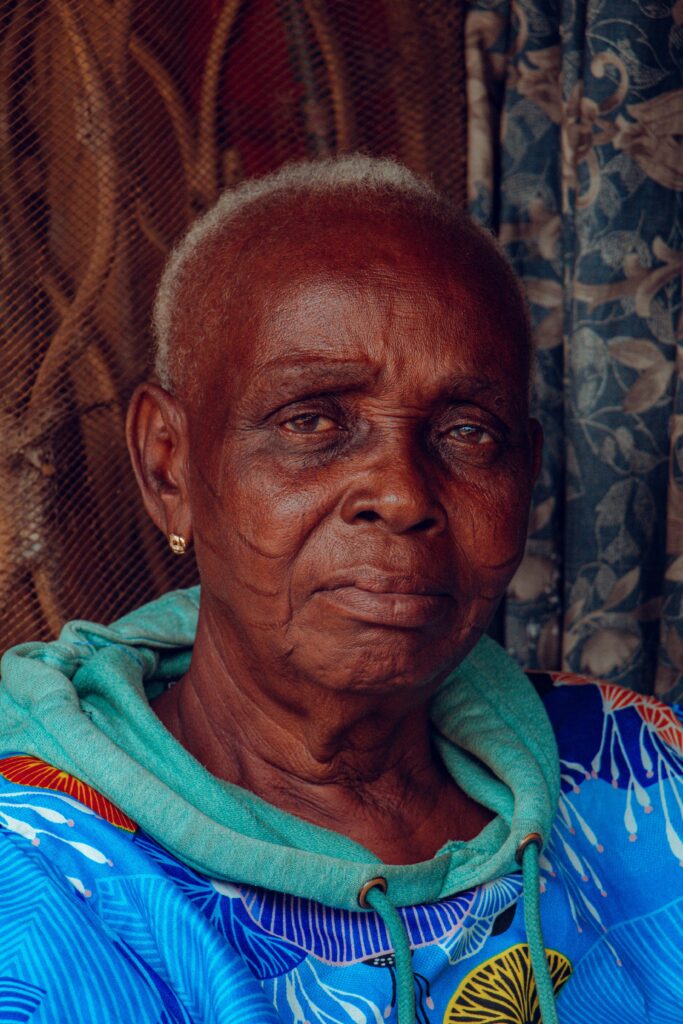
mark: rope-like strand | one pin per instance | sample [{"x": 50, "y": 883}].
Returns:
[
  {"x": 534, "y": 935},
  {"x": 405, "y": 983}
]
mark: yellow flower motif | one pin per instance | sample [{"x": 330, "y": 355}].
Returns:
[{"x": 502, "y": 990}]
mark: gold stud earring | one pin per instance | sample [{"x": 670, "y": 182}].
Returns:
[{"x": 177, "y": 543}]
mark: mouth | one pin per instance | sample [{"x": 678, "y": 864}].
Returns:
[{"x": 395, "y": 601}]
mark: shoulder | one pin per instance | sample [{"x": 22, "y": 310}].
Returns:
[
  {"x": 25, "y": 772},
  {"x": 621, "y": 797},
  {"x": 614, "y": 859},
  {"x": 96, "y": 920},
  {"x": 64, "y": 829},
  {"x": 620, "y": 748},
  {"x": 585, "y": 711}
]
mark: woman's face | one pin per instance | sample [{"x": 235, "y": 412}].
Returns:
[{"x": 361, "y": 462}]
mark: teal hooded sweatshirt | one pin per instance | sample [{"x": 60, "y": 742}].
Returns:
[{"x": 81, "y": 704}]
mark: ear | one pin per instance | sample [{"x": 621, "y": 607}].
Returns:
[
  {"x": 156, "y": 431},
  {"x": 536, "y": 443}
]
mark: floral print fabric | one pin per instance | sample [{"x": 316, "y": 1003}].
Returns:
[
  {"x": 100, "y": 923},
  {"x": 576, "y": 161}
]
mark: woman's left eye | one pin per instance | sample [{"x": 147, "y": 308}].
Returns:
[
  {"x": 309, "y": 423},
  {"x": 470, "y": 433}
]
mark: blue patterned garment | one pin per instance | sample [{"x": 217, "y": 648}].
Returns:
[{"x": 98, "y": 923}]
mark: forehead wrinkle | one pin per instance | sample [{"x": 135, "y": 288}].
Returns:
[
  {"x": 327, "y": 347},
  {"x": 310, "y": 372},
  {"x": 315, "y": 304}
]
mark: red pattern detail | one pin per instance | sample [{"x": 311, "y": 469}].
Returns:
[
  {"x": 654, "y": 713},
  {"x": 31, "y": 771},
  {"x": 570, "y": 679}
]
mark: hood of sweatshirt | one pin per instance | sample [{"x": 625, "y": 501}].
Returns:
[{"x": 82, "y": 704}]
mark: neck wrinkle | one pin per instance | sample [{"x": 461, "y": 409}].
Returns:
[{"x": 354, "y": 770}]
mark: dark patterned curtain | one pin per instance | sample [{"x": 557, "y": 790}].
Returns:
[{"x": 576, "y": 160}]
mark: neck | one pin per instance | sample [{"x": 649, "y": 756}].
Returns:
[{"x": 362, "y": 765}]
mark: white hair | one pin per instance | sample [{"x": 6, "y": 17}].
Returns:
[{"x": 357, "y": 173}]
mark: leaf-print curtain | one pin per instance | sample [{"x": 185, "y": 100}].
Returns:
[{"x": 576, "y": 160}]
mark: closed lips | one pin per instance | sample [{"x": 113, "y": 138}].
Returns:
[
  {"x": 389, "y": 602},
  {"x": 385, "y": 584}
]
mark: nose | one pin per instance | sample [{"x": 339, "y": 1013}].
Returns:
[{"x": 394, "y": 493}]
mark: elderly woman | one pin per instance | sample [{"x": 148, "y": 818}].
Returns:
[{"x": 317, "y": 792}]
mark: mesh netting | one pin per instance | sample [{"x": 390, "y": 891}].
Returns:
[{"x": 121, "y": 120}]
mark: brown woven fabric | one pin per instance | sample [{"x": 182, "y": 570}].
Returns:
[{"x": 121, "y": 120}]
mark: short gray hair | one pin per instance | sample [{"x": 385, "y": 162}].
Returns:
[{"x": 356, "y": 174}]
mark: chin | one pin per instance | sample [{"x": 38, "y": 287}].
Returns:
[{"x": 377, "y": 659}]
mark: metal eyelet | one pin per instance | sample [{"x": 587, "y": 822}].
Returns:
[
  {"x": 374, "y": 883},
  {"x": 534, "y": 837}
]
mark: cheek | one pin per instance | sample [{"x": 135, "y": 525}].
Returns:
[
  {"x": 490, "y": 528},
  {"x": 489, "y": 543},
  {"x": 250, "y": 530}
]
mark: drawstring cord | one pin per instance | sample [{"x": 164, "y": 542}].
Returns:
[
  {"x": 534, "y": 934},
  {"x": 373, "y": 895},
  {"x": 405, "y": 983}
]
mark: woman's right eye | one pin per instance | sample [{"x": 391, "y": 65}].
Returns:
[{"x": 310, "y": 423}]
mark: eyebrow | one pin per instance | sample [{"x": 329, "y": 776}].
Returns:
[
  {"x": 466, "y": 388},
  {"x": 313, "y": 374},
  {"x": 465, "y": 383}
]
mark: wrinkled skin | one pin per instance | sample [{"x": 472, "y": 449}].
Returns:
[{"x": 354, "y": 472}]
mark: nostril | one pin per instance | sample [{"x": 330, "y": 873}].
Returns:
[
  {"x": 368, "y": 515},
  {"x": 424, "y": 525}
]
